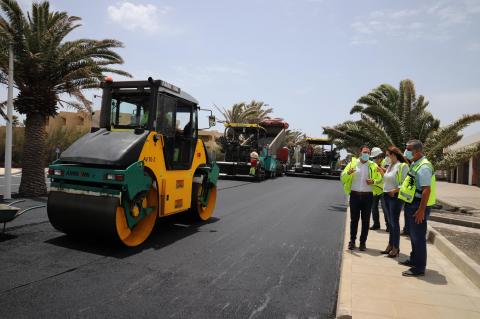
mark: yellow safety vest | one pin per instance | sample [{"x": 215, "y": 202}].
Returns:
[
  {"x": 409, "y": 187},
  {"x": 377, "y": 187},
  {"x": 400, "y": 173}
]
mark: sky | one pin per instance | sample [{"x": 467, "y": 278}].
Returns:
[{"x": 308, "y": 59}]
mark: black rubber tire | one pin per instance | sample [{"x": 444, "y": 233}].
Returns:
[{"x": 194, "y": 212}]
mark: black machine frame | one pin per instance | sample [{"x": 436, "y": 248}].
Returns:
[{"x": 160, "y": 88}]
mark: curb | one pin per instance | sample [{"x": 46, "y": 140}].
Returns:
[
  {"x": 344, "y": 297},
  {"x": 447, "y": 206},
  {"x": 464, "y": 263},
  {"x": 453, "y": 221},
  {"x": 451, "y": 207}
]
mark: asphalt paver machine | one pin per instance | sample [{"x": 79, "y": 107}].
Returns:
[
  {"x": 318, "y": 158},
  {"x": 272, "y": 142},
  {"x": 144, "y": 162},
  {"x": 241, "y": 140}
]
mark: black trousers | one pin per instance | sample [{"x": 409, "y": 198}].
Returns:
[{"x": 360, "y": 207}]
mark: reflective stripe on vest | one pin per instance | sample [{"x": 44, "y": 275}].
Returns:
[
  {"x": 409, "y": 187},
  {"x": 349, "y": 178},
  {"x": 400, "y": 173}
]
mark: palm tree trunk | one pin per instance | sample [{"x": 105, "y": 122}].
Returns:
[{"x": 33, "y": 161}]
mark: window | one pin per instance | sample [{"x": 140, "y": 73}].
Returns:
[
  {"x": 165, "y": 115},
  {"x": 130, "y": 110},
  {"x": 184, "y": 122},
  {"x": 176, "y": 121}
]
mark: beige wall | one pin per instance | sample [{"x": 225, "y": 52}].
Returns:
[
  {"x": 70, "y": 120},
  {"x": 209, "y": 136}
]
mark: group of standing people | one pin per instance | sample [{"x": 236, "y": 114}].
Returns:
[{"x": 396, "y": 180}]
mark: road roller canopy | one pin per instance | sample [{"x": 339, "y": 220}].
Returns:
[{"x": 148, "y": 105}]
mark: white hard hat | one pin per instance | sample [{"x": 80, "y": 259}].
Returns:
[{"x": 375, "y": 152}]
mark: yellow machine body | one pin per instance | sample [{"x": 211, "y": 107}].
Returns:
[
  {"x": 145, "y": 161},
  {"x": 174, "y": 186}
]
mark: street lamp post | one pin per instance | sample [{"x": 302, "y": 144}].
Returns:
[{"x": 8, "y": 134}]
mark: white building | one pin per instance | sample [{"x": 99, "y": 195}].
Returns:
[{"x": 466, "y": 172}]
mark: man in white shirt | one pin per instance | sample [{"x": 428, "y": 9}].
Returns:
[{"x": 361, "y": 195}]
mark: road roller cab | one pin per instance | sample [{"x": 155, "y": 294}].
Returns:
[{"x": 145, "y": 161}]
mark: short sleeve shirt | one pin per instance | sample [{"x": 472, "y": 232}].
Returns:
[{"x": 423, "y": 176}]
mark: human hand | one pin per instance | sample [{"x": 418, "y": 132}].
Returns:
[
  {"x": 419, "y": 216},
  {"x": 351, "y": 171},
  {"x": 369, "y": 181},
  {"x": 392, "y": 193}
]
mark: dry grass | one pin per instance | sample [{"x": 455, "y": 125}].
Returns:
[{"x": 61, "y": 136}]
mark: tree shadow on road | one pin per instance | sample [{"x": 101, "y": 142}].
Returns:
[
  {"x": 5, "y": 236},
  {"x": 337, "y": 208},
  {"x": 167, "y": 231}
]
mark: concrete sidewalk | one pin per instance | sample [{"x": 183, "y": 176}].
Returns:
[
  {"x": 457, "y": 195},
  {"x": 372, "y": 286}
]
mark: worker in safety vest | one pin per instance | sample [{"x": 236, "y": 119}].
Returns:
[
  {"x": 378, "y": 157},
  {"x": 418, "y": 193},
  {"x": 253, "y": 163},
  {"x": 359, "y": 179}
]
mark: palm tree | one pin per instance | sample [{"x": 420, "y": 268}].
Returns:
[
  {"x": 392, "y": 117},
  {"x": 235, "y": 114},
  {"x": 48, "y": 69},
  {"x": 257, "y": 111},
  {"x": 294, "y": 138},
  {"x": 253, "y": 112}
]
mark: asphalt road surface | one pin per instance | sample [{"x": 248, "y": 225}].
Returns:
[
  {"x": 272, "y": 250},
  {"x": 15, "y": 183}
]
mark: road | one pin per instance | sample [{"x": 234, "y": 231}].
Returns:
[
  {"x": 272, "y": 250},
  {"x": 15, "y": 183}
]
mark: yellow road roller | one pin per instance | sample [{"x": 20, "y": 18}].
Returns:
[{"x": 144, "y": 161}]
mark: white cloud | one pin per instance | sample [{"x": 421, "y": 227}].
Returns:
[
  {"x": 404, "y": 13},
  {"x": 361, "y": 27},
  {"x": 434, "y": 22},
  {"x": 131, "y": 16},
  {"x": 474, "y": 46},
  {"x": 199, "y": 75}
]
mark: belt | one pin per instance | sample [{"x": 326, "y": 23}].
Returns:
[{"x": 361, "y": 193}]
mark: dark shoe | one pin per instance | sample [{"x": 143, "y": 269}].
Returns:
[
  {"x": 363, "y": 247},
  {"x": 387, "y": 250},
  {"x": 351, "y": 245},
  {"x": 407, "y": 263},
  {"x": 387, "y": 230},
  {"x": 393, "y": 253},
  {"x": 404, "y": 233},
  {"x": 413, "y": 273},
  {"x": 375, "y": 227}
]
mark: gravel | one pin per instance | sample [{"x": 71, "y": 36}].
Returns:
[{"x": 469, "y": 243}]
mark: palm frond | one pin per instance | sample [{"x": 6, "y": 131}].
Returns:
[{"x": 452, "y": 158}]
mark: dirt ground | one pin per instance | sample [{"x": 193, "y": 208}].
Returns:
[{"x": 469, "y": 243}]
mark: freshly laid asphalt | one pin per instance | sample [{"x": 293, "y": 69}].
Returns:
[{"x": 272, "y": 250}]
